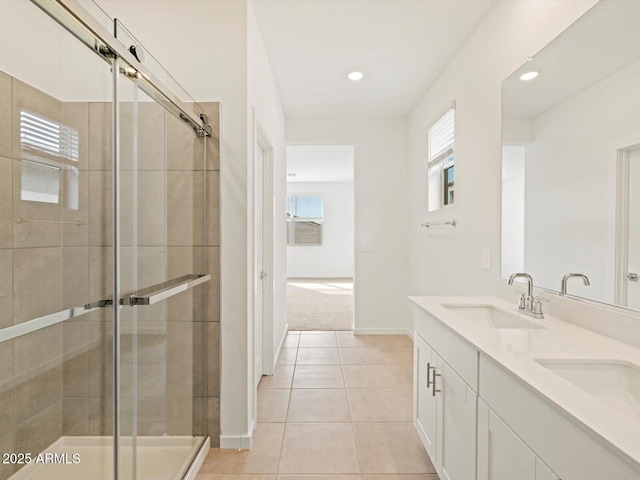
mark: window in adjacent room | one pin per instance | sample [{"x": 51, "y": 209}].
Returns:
[
  {"x": 305, "y": 219},
  {"x": 440, "y": 143}
]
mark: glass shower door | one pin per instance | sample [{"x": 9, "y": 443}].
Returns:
[
  {"x": 56, "y": 343},
  {"x": 98, "y": 207},
  {"x": 161, "y": 259}
]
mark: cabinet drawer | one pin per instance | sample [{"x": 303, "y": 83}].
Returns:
[{"x": 461, "y": 356}]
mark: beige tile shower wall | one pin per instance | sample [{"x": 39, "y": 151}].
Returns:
[
  {"x": 213, "y": 347},
  {"x": 33, "y": 260},
  {"x": 192, "y": 192}
]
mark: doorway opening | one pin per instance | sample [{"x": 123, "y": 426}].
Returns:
[
  {"x": 320, "y": 237},
  {"x": 627, "y": 284}
]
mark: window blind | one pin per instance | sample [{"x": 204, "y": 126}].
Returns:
[
  {"x": 41, "y": 138},
  {"x": 441, "y": 138}
]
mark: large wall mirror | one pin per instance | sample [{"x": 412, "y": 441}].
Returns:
[{"x": 571, "y": 159}]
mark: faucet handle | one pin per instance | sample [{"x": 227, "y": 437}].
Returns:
[
  {"x": 536, "y": 306},
  {"x": 522, "y": 304}
]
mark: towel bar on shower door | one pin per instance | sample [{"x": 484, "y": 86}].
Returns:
[{"x": 162, "y": 291}]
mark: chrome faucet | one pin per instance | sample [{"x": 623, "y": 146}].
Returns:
[
  {"x": 529, "y": 305},
  {"x": 563, "y": 287}
]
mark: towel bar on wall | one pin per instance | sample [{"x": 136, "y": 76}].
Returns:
[
  {"x": 453, "y": 223},
  {"x": 60, "y": 222}
]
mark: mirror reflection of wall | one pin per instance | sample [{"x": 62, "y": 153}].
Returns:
[
  {"x": 512, "y": 209},
  {"x": 574, "y": 128}
]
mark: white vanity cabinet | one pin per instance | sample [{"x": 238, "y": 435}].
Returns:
[
  {"x": 456, "y": 424},
  {"x": 502, "y": 455},
  {"x": 482, "y": 421},
  {"x": 424, "y": 401},
  {"x": 445, "y": 406}
]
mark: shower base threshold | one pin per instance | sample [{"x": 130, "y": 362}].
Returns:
[{"x": 158, "y": 458}]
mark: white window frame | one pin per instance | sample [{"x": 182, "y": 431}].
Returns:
[
  {"x": 291, "y": 241},
  {"x": 53, "y": 147},
  {"x": 441, "y": 160}
]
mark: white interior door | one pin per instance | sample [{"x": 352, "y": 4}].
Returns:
[
  {"x": 258, "y": 255},
  {"x": 633, "y": 267}
]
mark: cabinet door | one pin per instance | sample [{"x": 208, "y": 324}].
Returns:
[
  {"x": 424, "y": 403},
  {"x": 501, "y": 453},
  {"x": 457, "y": 413}
]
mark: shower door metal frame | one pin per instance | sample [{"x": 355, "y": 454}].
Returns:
[{"x": 89, "y": 31}]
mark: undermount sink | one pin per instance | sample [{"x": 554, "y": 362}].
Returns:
[
  {"x": 613, "y": 382},
  {"x": 492, "y": 317}
]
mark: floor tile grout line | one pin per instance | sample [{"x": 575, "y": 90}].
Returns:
[
  {"x": 353, "y": 427},
  {"x": 284, "y": 430}
]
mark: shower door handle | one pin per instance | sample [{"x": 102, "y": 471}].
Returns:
[{"x": 162, "y": 291}]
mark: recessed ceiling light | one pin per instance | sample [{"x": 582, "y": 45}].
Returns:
[
  {"x": 355, "y": 76},
  {"x": 528, "y": 76}
]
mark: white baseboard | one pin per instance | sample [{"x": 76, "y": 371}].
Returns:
[
  {"x": 280, "y": 345},
  {"x": 311, "y": 277},
  {"x": 383, "y": 331},
  {"x": 238, "y": 442},
  {"x": 192, "y": 473}
]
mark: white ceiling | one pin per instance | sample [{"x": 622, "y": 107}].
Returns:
[
  {"x": 401, "y": 46},
  {"x": 39, "y": 52},
  {"x": 320, "y": 163},
  {"x": 600, "y": 43}
]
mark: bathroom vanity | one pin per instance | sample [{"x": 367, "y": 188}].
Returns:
[{"x": 501, "y": 396}]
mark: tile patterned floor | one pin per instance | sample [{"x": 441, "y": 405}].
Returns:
[{"x": 338, "y": 407}]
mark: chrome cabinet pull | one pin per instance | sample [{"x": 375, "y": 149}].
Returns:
[
  {"x": 429, "y": 367},
  {"x": 434, "y": 390}
]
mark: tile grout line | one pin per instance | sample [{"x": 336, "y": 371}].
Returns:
[
  {"x": 353, "y": 427},
  {"x": 286, "y": 418}
]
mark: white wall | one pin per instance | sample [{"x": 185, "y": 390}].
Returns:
[
  {"x": 380, "y": 179},
  {"x": 513, "y": 212},
  {"x": 448, "y": 261},
  {"x": 265, "y": 108},
  {"x": 571, "y": 184},
  {"x": 334, "y": 258}
]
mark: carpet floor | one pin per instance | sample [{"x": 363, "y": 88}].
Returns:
[{"x": 320, "y": 304}]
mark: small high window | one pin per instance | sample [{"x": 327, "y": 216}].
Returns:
[
  {"x": 305, "y": 217},
  {"x": 440, "y": 142},
  {"x": 50, "y": 152}
]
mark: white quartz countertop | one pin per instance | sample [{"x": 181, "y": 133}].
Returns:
[{"x": 518, "y": 349}]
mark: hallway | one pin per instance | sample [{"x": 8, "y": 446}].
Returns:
[{"x": 338, "y": 407}]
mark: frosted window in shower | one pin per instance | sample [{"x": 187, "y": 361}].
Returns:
[
  {"x": 40, "y": 183},
  {"x": 49, "y": 153}
]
